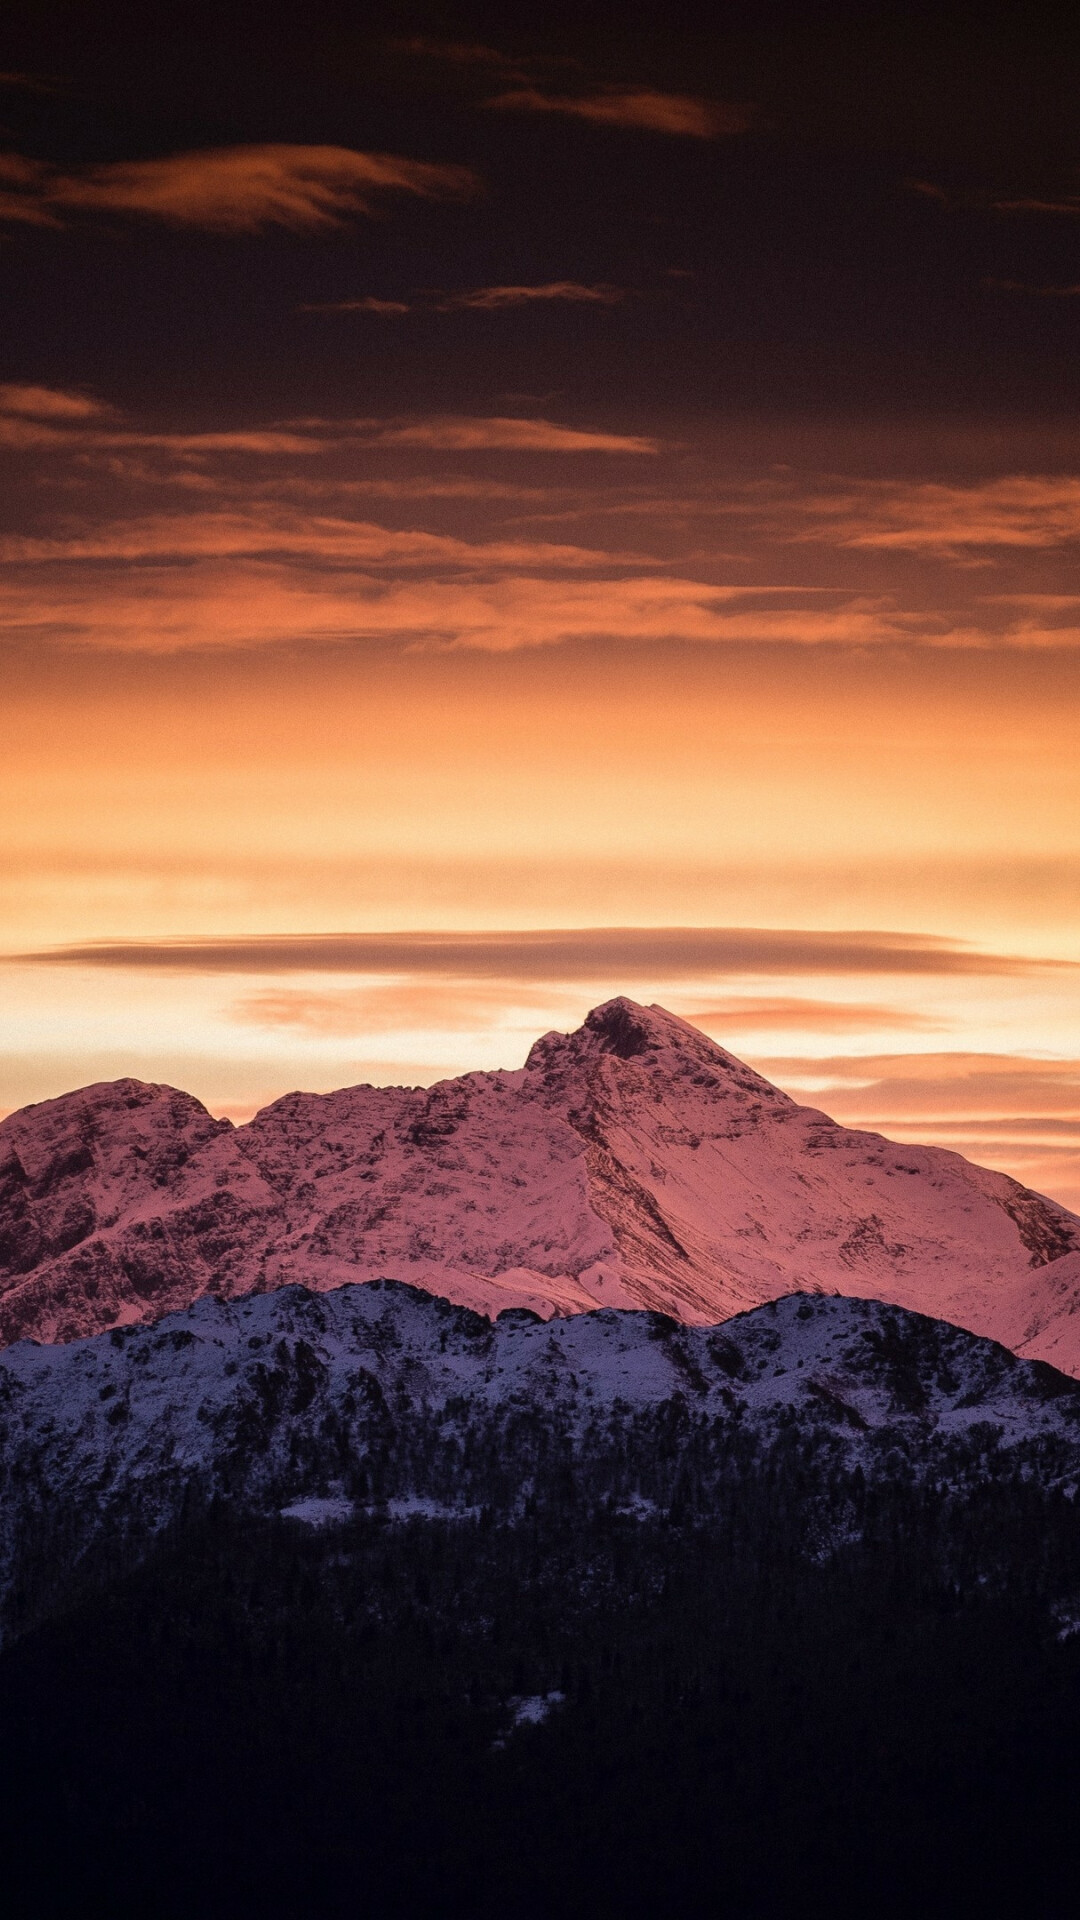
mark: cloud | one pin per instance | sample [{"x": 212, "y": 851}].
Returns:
[
  {"x": 283, "y": 531},
  {"x": 261, "y": 561},
  {"x": 448, "y": 1006},
  {"x": 452, "y": 1005},
  {"x": 20, "y": 192},
  {"x": 742, "y": 1012},
  {"x": 490, "y": 599},
  {"x": 48, "y": 403},
  {"x": 230, "y": 189},
  {"x": 641, "y": 108},
  {"x": 264, "y": 572},
  {"x": 294, "y": 486},
  {"x": 1066, "y": 203},
  {"x": 461, "y": 434},
  {"x": 929, "y": 190},
  {"x": 68, "y": 421},
  {"x": 368, "y": 304},
  {"x": 25, "y": 436},
  {"x": 956, "y": 1085},
  {"x": 458, "y": 53},
  {"x": 481, "y": 299},
  {"x": 551, "y": 956},
  {"x": 275, "y": 575},
  {"x": 261, "y": 440},
  {"x": 963, "y": 521},
  {"x": 46, "y": 416},
  {"x": 488, "y": 298},
  {"x": 1047, "y": 1129},
  {"x": 1014, "y": 510}
]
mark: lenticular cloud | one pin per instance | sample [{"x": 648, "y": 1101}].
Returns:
[{"x": 230, "y": 189}]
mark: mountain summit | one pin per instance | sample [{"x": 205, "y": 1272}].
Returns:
[{"x": 632, "y": 1163}]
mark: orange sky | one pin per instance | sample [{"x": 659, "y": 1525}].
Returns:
[
  {"x": 886, "y": 754},
  {"x": 396, "y": 538}
]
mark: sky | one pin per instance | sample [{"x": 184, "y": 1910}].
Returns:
[{"x": 493, "y": 519}]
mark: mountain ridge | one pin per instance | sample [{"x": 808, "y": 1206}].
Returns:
[
  {"x": 633, "y": 1163},
  {"x": 381, "y": 1400}
]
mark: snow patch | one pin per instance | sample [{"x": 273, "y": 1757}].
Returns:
[
  {"x": 319, "y": 1513},
  {"x": 527, "y": 1710},
  {"x": 415, "y": 1507}
]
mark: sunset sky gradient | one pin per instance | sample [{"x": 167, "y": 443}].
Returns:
[{"x": 491, "y": 522}]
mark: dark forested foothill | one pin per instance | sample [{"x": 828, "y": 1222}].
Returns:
[
  {"x": 361, "y": 1604},
  {"x": 582, "y": 1712}
]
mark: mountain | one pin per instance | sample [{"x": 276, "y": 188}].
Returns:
[
  {"x": 632, "y": 1163},
  {"x": 379, "y": 1399}
]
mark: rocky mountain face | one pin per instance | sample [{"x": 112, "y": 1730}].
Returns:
[
  {"x": 630, "y": 1164},
  {"x": 379, "y": 1400}
]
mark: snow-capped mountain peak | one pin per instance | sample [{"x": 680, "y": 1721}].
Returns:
[{"x": 632, "y": 1163}]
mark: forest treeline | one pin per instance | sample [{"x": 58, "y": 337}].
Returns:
[{"x": 783, "y": 1683}]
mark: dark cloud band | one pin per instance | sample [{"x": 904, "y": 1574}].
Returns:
[{"x": 553, "y": 955}]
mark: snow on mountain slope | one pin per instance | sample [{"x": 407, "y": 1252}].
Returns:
[
  {"x": 632, "y": 1163},
  {"x": 321, "y": 1405}
]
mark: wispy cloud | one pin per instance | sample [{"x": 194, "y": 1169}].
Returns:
[
  {"x": 959, "y": 520},
  {"x": 479, "y": 299},
  {"x": 449, "y": 1006},
  {"x": 21, "y": 197},
  {"x": 1040, "y": 206},
  {"x": 454, "y": 1005},
  {"x": 368, "y": 303},
  {"x": 573, "y": 291},
  {"x": 229, "y": 189},
  {"x": 744, "y": 1012},
  {"x": 280, "y": 531},
  {"x": 956, "y": 1084},
  {"x": 928, "y": 190},
  {"x": 640, "y": 108},
  {"x": 395, "y": 486},
  {"x": 508, "y": 434},
  {"x": 48, "y": 403},
  {"x": 42, "y": 417},
  {"x": 458, "y": 53},
  {"x": 492, "y": 599},
  {"x": 588, "y": 953},
  {"x": 266, "y": 543},
  {"x": 1068, "y": 203},
  {"x": 1013, "y": 510}
]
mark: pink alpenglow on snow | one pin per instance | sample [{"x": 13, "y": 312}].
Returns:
[{"x": 633, "y": 1163}]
